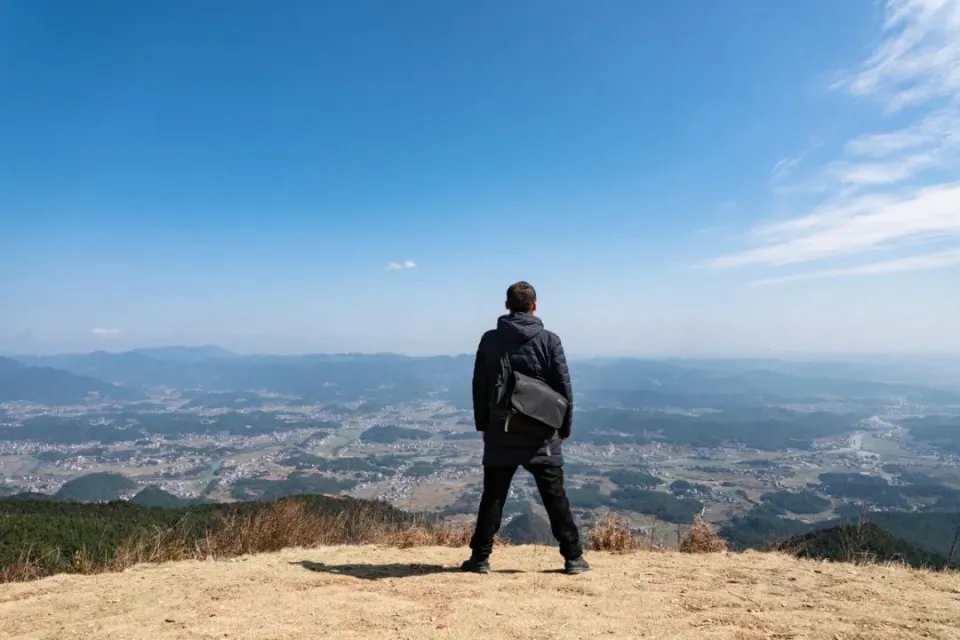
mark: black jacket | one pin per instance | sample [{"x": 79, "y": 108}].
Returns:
[{"x": 533, "y": 351}]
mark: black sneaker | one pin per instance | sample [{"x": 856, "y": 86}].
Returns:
[
  {"x": 476, "y": 565},
  {"x": 575, "y": 566}
]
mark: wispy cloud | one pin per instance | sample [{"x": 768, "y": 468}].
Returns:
[
  {"x": 887, "y": 190},
  {"x": 895, "y": 156},
  {"x": 917, "y": 59},
  {"x": 930, "y": 261},
  {"x": 938, "y": 130},
  {"x": 406, "y": 264},
  {"x": 729, "y": 204},
  {"x": 879, "y": 173},
  {"x": 869, "y": 222},
  {"x": 102, "y": 332},
  {"x": 784, "y": 168}
]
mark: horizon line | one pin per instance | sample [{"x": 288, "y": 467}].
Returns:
[{"x": 768, "y": 356}]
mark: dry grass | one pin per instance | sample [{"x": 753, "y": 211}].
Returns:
[
  {"x": 26, "y": 568},
  {"x": 383, "y": 592},
  {"x": 702, "y": 539},
  {"x": 612, "y": 534},
  {"x": 280, "y": 525},
  {"x": 436, "y": 536},
  {"x": 401, "y": 580},
  {"x": 290, "y": 523}
]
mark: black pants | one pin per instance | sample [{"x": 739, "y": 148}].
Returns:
[{"x": 496, "y": 486}]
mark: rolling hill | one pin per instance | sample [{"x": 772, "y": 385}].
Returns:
[
  {"x": 866, "y": 542},
  {"x": 95, "y": 487},
  {"x": 46, "y": 385}
]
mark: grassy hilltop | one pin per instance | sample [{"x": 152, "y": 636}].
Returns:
[
  {"x": 383, "y": 592},
  {"x": 325, "y": 566}
]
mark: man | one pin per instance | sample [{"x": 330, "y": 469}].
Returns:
[{"x": 521, "y": 441}]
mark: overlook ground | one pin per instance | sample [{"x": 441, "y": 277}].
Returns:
[{"x": 371, "y": 592}]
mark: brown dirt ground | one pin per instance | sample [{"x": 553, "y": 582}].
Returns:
[{"x": 371, "y": 592}]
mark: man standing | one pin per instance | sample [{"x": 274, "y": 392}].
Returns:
[{"x": 521, "y": 441}]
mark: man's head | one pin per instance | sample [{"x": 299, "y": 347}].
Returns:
[{"x": 522, "y": 298}]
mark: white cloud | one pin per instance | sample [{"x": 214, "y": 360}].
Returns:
[
  {"x": 919, "y": 57},
  {"x": 866, "y": 223},
  {"x": 931, "y": 142},
  {"x": 878, "y": 173},
  {"x": 783, "y": 168},
  {"x": 886, "y": 190},
  {"x": 938, "y": 130},
  {"x": 406, "y": 264},
  {"x": 939, "y": 260},
  {"x": 100, "y": 331}
]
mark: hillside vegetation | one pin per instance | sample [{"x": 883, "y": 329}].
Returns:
[
  {"x": 43, "y": 537},
  {"x": 379, "y": 592},
  {"x": 862, "y": 543}
]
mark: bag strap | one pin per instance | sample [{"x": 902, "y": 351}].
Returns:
[{"x": 506, "y": 371}]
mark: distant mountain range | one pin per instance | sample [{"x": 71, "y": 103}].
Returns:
[
  {"x": 46, "y": 385},
  {"x": 390, "y": 378},
  {"x": 186, "y": 354}
]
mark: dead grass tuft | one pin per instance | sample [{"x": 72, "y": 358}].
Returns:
[
  {"x": 702, "y": 539},
  {"x": 414, "y": 536},
  {"x": 23, "y": 570},
  {"x": 420, "y": 535},
  {"x": 612, "y": 533},
  {"x": 452, "y": 536},
  {"x": 285, "y": 523}
]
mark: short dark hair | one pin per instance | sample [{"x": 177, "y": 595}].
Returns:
[{"x": 520, "y": 297}]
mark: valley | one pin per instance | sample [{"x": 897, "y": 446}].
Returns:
[{"x": 651, "y": 442}]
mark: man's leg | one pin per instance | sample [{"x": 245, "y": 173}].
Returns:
[
  {"x": 554, "y": 496},
  {"x": 496, "y": 486}
]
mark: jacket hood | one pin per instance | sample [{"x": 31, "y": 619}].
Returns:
[{"x": 518, "y": 327}]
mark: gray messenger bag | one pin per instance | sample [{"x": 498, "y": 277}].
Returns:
[{"x": 529, "y": 397}]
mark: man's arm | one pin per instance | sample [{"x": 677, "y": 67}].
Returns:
[
  {"x": 481, "y": 394},
  {"x": 559, "y": 379}
]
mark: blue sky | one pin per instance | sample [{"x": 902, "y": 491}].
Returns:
[{"x": 679, "y": 178}]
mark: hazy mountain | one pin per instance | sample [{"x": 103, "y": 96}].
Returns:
[
  {"x": 186, "y": 354},
  {"x": 46, "y": 385},
  {"x": 323, "y": 378},
  {"x": 127, "y": 368},
  {"x": 934, "y": 371},
  {"x": 620, "y": 380},
  {"x": 389, "y": 378}
]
